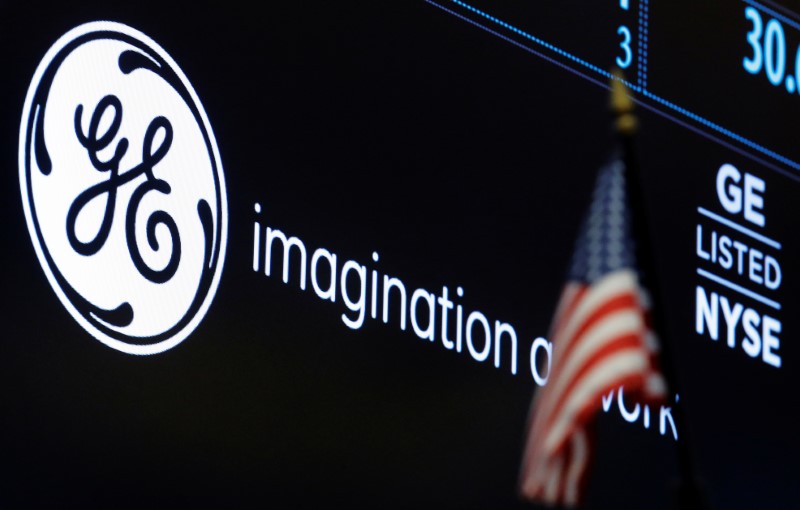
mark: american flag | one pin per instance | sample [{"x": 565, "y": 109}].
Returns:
[{"x": 601, "y": 339}]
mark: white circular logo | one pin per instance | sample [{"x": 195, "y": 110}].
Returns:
[{"x": 123, "y": 188}]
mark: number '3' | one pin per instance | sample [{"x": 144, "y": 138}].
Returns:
[
  {"x": 626, "y": 47},
  {"x": 753, "y": 65}
]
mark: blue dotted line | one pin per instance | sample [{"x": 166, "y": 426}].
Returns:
[
  {"x": 657, "y": 109},
  {"x": 723, "y": 130},
  {"x": 640, "y": 60},
  {"x": 636, "y": 88},
  {"x": 538, "y": 41},
  {"x": 774, "y": 14},
  {"x": 644, "y": 14}
]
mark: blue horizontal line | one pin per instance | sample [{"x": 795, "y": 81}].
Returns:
[
  {"x": 724, "y": 131},
  {"x": 646, "y": 105},
  {"x": 774, "y": 13},
  {"x": 606, "y": 86},
  {"x": 526, "y": 48},
  {"x": 538, "y": 41},
  {"x": 716, "y": 127},
  {"x": 738, "y": 288},
  {"x": 795, "y": 176},
  {"x": 744, "y": 230}
]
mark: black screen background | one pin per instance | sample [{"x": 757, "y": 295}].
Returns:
[{"x": 462, "y": 160}]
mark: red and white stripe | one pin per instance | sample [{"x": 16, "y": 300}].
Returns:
[{"x": 601, "y": 340}]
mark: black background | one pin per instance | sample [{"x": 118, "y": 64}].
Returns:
[{"x": 463, "y": 160}]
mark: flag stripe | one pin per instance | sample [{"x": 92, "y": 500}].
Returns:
[
  {"x": 602, "y": 339},
  {"x": 604, "y": 330},
  {"x": 625, "y": 301},
  {"x": 553, "y": 485},
  {"x": 621, "y": 281},
  {"x": 619, "y": 318},
  {"x": 571, "y": 297},
  {"x": 605, "y": 289},
  {"x": 577, "y": 402},
  {"x": 579, "y": 457}
]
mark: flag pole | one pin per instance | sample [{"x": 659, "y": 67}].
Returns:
[{"x": 688, "y": 494}]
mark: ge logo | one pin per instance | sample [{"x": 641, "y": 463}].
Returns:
[{"x": 123, "y": 188}]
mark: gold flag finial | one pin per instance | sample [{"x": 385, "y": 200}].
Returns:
[{"x": 622, "y": 104}]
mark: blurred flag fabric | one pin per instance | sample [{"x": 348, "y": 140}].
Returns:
[{"x": 601, "y": 339}]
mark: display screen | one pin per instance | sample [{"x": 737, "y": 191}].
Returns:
[{"x": 310, "y": 253}]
